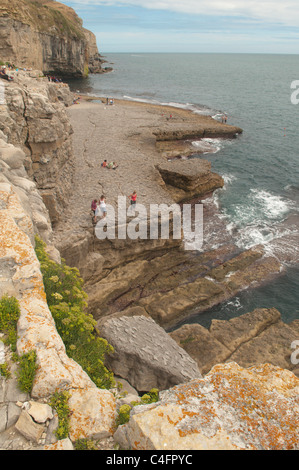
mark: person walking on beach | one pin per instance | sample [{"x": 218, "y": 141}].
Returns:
[{"x": 133, "y": 198}]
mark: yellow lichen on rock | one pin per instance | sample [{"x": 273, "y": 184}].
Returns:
[{"x": 230, "y": 408}]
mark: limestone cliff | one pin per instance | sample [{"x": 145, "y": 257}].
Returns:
[
  {"x": 48, "y": 36},
  {"x": 230, "y": 408},
  {"x": 33, "y": 117}
]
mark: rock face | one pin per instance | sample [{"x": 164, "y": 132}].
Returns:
[
  {"x": 172, "y": 287},
  {"x": 33, "y": 117},
  {"x": 253, "y": 338},
  {"x": 231, "y": 408},
  {"x": 144, "y": 354},
  {"x": 188, "y": 179},
  {"x": 48, "y": 36},
  {"x": 22, "y": 214}
]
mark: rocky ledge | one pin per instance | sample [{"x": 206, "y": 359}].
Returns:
[
  {"x": 231, "y": 408},
  {"x": 134, "y": 292},
  {"x": 250, "y": 339}
]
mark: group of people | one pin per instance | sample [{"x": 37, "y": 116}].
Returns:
[
  {"x": 224, "y": 118},
  {"x": 110, "y": 166},
  {"x": 51, "y": 78},
  {"x": 99, "y": 208},
  {"x": 4, "y": 74}
]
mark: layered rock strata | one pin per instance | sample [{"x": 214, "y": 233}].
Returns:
[
  {"x": 178, "y": 284},
  {"x": 33, "y": 117},
  {"x": 159, "y": 275},
  {"x": 178, "y": 420},
  {"x": 47, "y": 35},
  {"x": 20, "y": 276},
  {"x": 250, "y": 339},
  {"x": 187, "y": 179}
]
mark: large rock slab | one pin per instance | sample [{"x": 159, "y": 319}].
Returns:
[
  {"x": 198, "y": 342},
  {"x": 145, "y": 355},
  {"x": 231, "y": 408},
  {"x": 193, "y": 177},
  {"x": 250, "y": 339}
]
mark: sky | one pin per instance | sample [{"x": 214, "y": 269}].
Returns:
[{"x": 223, "y": 26}]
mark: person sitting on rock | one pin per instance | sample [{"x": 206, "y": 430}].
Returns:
[
  {"x": 104, "y": 164},
  {"x": 4, "y": 75}
]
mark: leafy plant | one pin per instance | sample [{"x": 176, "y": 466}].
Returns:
[
  {"x": 124, "y": 411},
  {"x": 85, "y": 444},
  {"x": 9, "y": 316},
  {"x": 4, "y": 371},
  {"x": 59, "y": 401},
  {"x": 27, "y": 371},
  {"x": 67, "y": 302}
]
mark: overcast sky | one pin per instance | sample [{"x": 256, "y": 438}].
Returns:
[{"x": 249, "y": 26}]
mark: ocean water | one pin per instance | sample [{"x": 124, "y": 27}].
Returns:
[{"x": 260, "y": 200}]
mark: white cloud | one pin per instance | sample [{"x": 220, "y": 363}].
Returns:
[{"x": 282, "y": 11}]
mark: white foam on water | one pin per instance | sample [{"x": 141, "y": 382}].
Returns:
[
  {"x": 273, "y": 206},
  {"x": 228, "y": 179}
]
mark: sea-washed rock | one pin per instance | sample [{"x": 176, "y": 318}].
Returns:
[
  {"x": 249, "y": 339},
  {"x": 191, "y": 178}
]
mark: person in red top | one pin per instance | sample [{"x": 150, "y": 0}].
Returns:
[{"x": 133, "y": 197}]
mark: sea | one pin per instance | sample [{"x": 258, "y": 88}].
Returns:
[{"x": 259, "y": 203}]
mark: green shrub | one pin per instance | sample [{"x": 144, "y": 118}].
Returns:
[
  {"x": 4, "y": 371},
  {"x": 67, "y": 302},
  {"x": 9, "y": 316},
  {"x": 59, "y": 401},
  {"x": 123, "y": 414},
  {"x": 27, "y": 371},
  {"x": 124, "y": 411},
  {"x": 85, "y": 444}
]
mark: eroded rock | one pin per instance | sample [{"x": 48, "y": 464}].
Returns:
[
  {"x": 145, "y": 355},
  {"x": 231, "y": 408}
]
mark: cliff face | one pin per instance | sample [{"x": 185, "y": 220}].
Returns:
[
  {"x": 47, "y": 36},
  {"x": 34, "y": 118}
]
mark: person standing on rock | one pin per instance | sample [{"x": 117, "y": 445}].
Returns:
[{"x": 103, "y": 207}]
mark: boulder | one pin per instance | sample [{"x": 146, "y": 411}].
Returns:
[
  {"x": 92, "y": 413},
  {"x": 28, "y": 428},
  {"x": 145, "y": 355},
  {"x": 231, "y": 408}
]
